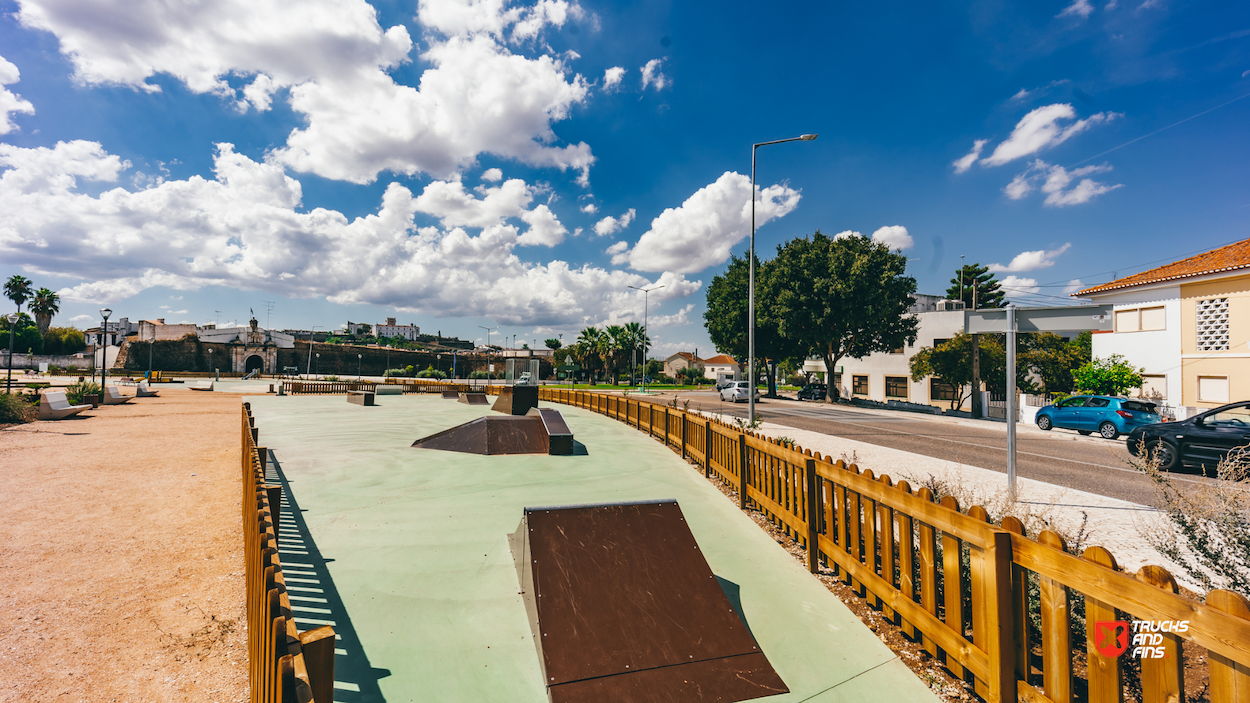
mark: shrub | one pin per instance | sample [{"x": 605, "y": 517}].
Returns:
[
  {"x": 64, "y": 340},
  {"x": 480, "y": 374},
  {"x": 431, "y": 372},
  {"x": 392, "y": 373},
  {"x": 75, "y": 391},
  {"x": 15, "y": 409}
]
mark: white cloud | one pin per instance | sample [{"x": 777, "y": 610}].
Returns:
[
  {"x": 590, "y": 208},
  {"x": 681, "y": 317},
  {"x": 456, "y": 207},
  {"x": 1021, "y": 95},
  {"x": 492, "y": 175},
  {"x": 1078, "y": 8},
  {"x": 612, "y": 225},
  {"x": 1041, "y": 129},
  {"x": 847, "y": 233},
  {"x": 895, "y": 237},
  {"x": 652, "y": 76},
  {"x": 619, "y": 253},
  {"x": 82, "y": 319},
  {"x": 1056, "y": 183},
  {"x": 243, "y": 229},
  {"x": 965, "y": 162},
  {"x": 1073, "y": 286},
  {"x": 334, "y": 60},
  {"x": 1015, "y": 286},
  {"x": 700, "y": 232},
  {"x": 1031, "y": 260},
  {"x": 11, "y": 103},
  {"x": 612, "y": 77}
]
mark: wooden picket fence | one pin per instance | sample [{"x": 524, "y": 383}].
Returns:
[
  {"x": 284, "y": 665},
  {"x": 899, "y": 549},
  {"x": 411, "y": 385}
]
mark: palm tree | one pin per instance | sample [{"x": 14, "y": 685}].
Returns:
[
  {"x": 17, "y": 289},
  {"x": 613, "y": 346},
  {"x": 45, "y": 304},
  {"x": 586, "y": 348},
  {"x": 637, "y": 343}
]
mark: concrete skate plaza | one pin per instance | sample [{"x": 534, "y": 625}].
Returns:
[{"x": 405, "y": 551}]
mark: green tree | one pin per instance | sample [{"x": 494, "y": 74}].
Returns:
[
  {"x": 726, "y": 316},
  {"x": 46, "y": 304},
  {"x": 841, "y": 297},
  {"x": 553, "y": 343},
  {"x": 1110, "y": 376},
  {"x": 976, "y": 278},
  {"x": 17, "y": 289},
  {"x": 586, "y": 350},
  {"x": 1054, "y": 359},
  {"x": 950, "y": 362},
  {"x": 64, "y": 340},
  {"x": 25, "y": 334}
]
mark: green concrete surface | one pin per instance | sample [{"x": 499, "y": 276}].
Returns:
[{"x": 420, "y": 583}]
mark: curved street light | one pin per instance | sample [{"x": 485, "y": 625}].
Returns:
[
  {"x": 12, "y": 318},
  {"x": 104, "y": 351},
  {"x": 645, "y": 292},
  {"x": 751, "y": 279}
]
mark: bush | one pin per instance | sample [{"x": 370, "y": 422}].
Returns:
[
  {"x": 393, "y": 373},
  {"x": 431, "y": 372},
  {"x": 15, "y": 409},
  {"x": 480, "y": 374},
  {"x": 64, "y": 340},
  {"x": 75, "y": 391}
]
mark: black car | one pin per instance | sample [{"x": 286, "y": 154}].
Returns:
[
  {"x": 1202, "y": 440},
  {"x": 813, "y": 391}
]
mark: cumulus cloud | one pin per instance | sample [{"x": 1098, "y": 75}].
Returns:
[
  {"x": 590, "y": 208},
  {"x": 1056, "y": 182},
  {"x": 1073, "y": 286},
  {"x": 456, "y": 207},
  {"x": 619, "y": 253},
  {"x": 612, "y": 225},
  {"x": 243, "y": 229},
  {"x": 492, "y": 175},
  {"x": 333, "y": 59},
  {"x": 965, "y": 162},
  {"x": 1078, "y": 8},
  {"x": 1041, "y": 129},
  {"x": 651, "y": 75},
  {"x": 612, "y": 78},
  {"x": 1015, "y": 286},
  {"x": 11, "y": 103},
  {"x": 702, "y": 230},
  {"x": 1031, "y": 260},
  {"x": 895, "y": 237},
  {"x": 847, "y": 233}
]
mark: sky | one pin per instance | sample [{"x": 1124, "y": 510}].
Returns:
[{"x": 471, "y": 164}]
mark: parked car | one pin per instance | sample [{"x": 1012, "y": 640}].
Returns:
[
  {"x": 723, "y": 381},
  {"x": 813, "y": 391},
  {"x": 1107, "y": 415},
  {"x": 1202, "y": 440},
  {"x": 737, "y": 391}
]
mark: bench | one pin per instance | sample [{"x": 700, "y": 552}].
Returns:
[
  {"x": 360, "y": 398},
  {"x": 113, "y": 396},
  {"x": 142, "y": 391},
  {"x": 201, "y": 386},
  {"x": 54, "y": 405},
  {"x": 389, "y": 389}
]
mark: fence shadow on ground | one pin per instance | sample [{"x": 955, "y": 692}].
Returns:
[{"x": 315, "y": 601}]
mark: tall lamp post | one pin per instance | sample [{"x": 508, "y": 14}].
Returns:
[
  {"x": 211, "y": 366},
  {"x": 359, "y": 358},
  {"x": 104, "y": 352},
  {"x": 645, "y": 292},
  {"x": 312, "y": 340},
  {"x": 751, "y": 279},
  {"x": 12, "y": 318},
  {"x": 488, "y": 329}
]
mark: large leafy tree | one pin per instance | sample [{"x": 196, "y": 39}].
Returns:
[
  {"x": 26, "y": 337},
  {"x": 841, "y": 297},
  {"x": 18, "y": 289},
  {"x": 1054, "y": 359},
  {"x": 586, "y": 349},
  {"x": 727, "y": 313},
  {"x": 975, "y": 283},
  {"x": 1110, "y": 376},
  {"x": 553, "y": 343}
]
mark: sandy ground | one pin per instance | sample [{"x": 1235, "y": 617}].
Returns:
[{"x": 120, "y": 554}]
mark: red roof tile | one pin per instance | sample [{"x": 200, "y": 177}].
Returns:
[{"x": 1227, "y": 258}]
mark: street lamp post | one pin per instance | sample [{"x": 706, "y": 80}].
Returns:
[
  {"x": 318, "y": 365},
  {"x": 312, "y": 339},
  {"x": 751, "y": 279},
  {"x": 211, "y": 366},
  {"x": 104, "y": 352},
  {"x": 645, "y": 292},
  {"x": 359, "y": 358},
  {"x": 12, "y": 318},
  {"x": 151, "y": 343}
]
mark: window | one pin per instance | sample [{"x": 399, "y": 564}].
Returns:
[
  {"x": 940, "y": 390},
  {"x": 897, "y": 351},
  {"x": 1126, "y": 321},
  {"x": 1154, "y": 386},
  {"x": 859, "y": 385},
  {"x": 1072, "y": 403},
  {"x": 1213, "y": 389},
  {"x": 896, "y": 386},
  {"x": 1097, "y": 403},
  {"x": 1153, "y": 319},
  {"x": 939, "y": 342},
  {"x": 837, "y": 380},
  {"x": 1233, "y": 418},
  {"x": 1212, "y": 321}
]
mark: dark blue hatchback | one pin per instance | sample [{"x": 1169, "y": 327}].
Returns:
[{"x": 1107, "y": 415}]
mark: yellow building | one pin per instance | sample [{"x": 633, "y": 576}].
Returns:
[{"x": 1188, "y": 324}]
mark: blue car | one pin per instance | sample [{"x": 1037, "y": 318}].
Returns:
[{"x": 1107, "y": 415}]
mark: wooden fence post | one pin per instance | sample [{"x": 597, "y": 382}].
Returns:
[
  {"x": 274, "y": 495},
  {"x": 742, "y": 471},
  {"x": 1056, "y": 631},
  {"x": 1103, "y": 675},
  {"x": 684, "y": 422},
  {"x": 263, "y": 454},
  {"x": 992, "y": 601},
  {"x": 1020, "y": 608},
  {"x": 952, "y": 589},
  {"x": 928, "y": 571},
  {"x": 707, "y": 449},
  {"x": 1162, "y": 680},
  {"x": 1230, "y": 681},
  {"x": 318, "y": 648},
  {"x": 813, "y": 517}
]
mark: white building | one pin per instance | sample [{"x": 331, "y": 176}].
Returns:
[
  {"x": 157, "y": 330},
  {"x": 721, "y": 366},
  {"x": 114, "y": 334},
  {"x": 355, "y": 328},
  {"x": 884, "y": 376},
  {"x": 390, "y": 329},
  {"x": 1147, "y": 334}
]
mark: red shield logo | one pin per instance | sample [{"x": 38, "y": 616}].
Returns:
[{"x": 1111, "y": 637}]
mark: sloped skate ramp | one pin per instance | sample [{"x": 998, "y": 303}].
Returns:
[
  {"x": 491, "y": 435},
  {"x": 473, "y": 398},
  {"x": 624, "y": 607},
  {"x": 451, "y": 395}
]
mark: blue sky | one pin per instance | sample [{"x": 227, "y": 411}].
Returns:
[{"x": 455, "y": 163}]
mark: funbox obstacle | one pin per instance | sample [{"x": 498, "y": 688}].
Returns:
[
  {"x": 451, "y": 395},
  {"x": 542, "y": 431},
  {"x": 473, "y": 398},
  {"x": 516, "y": 400},
  {"x": 360, "y": 398},
  {"x": 623, "y": 607}
]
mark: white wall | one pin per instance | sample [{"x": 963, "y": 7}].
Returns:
[{"x": 1158, "y": 351}]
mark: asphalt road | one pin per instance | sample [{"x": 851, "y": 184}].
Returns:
[{"x": 1060, "y": 457}]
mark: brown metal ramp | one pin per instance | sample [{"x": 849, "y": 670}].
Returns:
[
  {"x": 451, "y": 395},
  {"x": 491, "y": 435},
  {"x": 473, "y": 398},
  {"x": 559, "y": 436},
  {"x": 624, "y": 607},
  {"x": 516, "y": 400}
]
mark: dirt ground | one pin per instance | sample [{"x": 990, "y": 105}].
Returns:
[{"x": 121, "y": 560}]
